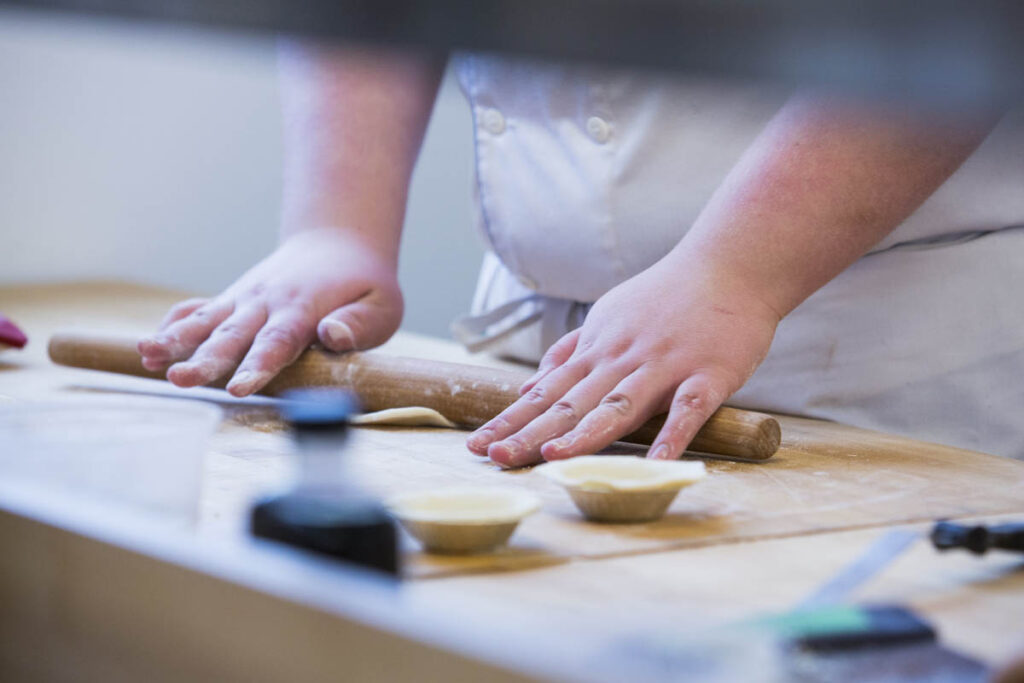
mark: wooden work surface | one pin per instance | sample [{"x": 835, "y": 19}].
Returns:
[{"x": 826, "y": 478}]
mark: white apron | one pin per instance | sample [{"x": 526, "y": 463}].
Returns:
[{"x": 586, "y": 177}]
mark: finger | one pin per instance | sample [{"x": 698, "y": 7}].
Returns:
[
  {"x": 357, "y": 325},
  {"x": 693, "y": 403},
  {"x": 558, "y": 354},
  {"x": 222, "y": 350},
  {"x": 148, "y": 348},
  {"x": 285, "y": 336},
  {"x": 524, "y": 447},
  {"x": 529, "y": 406},
  {"x": 180, "y": 310},
  {"x": 182, "y": 337},
  {"x": 153, "y": 364},
  {"x": 622, "y": 410}
]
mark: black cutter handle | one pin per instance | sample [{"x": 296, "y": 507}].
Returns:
[{"x": 979, "y": 539}]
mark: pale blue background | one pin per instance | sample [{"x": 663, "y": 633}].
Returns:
[{"x": 152, "y": 153}]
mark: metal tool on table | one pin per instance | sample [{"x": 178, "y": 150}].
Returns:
[
  {"x": 873, "y": 560},
  {"x": 836, "y": 640},
  {"x": 824, "y": 638},
  {"x": 468, "y": 395},
  {"x": 823, "y": 621},
  {"x": 324, "y": 511}
]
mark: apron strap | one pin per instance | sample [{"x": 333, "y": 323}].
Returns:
[
  {"x": 476, "y": 332},
  {"x": 488, "y": 329}
]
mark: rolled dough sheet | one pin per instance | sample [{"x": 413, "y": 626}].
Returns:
[
  {"x": 415, "y": 416},
  {"x": 264, "y": 419}
]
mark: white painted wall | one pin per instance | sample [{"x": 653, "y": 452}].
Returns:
[{"x": 153, "y": 153}]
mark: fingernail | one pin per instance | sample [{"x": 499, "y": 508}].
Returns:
[
  {"x": 338, "y": 333},
  {"x": 241, "y": 379},
  {"x": 660, "y": 453},
  {"x": 479, "y": 437},
  {"x": 149, "y": 346},
  {"x": 183, "y": 373},
  {"x": 553, "y": 450},
  {"x": 508, "y": 453},
  {"x": 558, "y": 444},
  {"x": 168, "y": 346},
  {"x": 205, "y": 372},
  {"x": 245, "y": 381},
  {"x": 512, "y": 449}
]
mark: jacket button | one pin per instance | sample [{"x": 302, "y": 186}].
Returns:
[
  {"x": 493, "y": 121},
  {"x": 598, "y": 129}
]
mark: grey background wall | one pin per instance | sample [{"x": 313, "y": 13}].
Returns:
[{"x": 153, "y": 154}]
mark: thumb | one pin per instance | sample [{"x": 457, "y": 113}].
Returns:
[{"x": 362, "y": 324}]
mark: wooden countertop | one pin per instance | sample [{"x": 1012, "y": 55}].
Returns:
[{"x": 753, "y": 537}]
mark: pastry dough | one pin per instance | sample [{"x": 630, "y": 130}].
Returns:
[
  {"x": 623, "y": 473},
  {"x": 268, "y": 420},
  {"x": 415, "y": 416},
  {"x": 466, "y": 505},
  {"x": 463, "y": 519},
  {"x": 622, "y": 489}
]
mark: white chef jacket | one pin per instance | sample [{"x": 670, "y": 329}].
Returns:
[{"x": 585, "y": 177}]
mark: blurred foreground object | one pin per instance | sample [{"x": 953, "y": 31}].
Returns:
[
  {"x": 140, "y": 455},
  {"x": 10, "y": 335},
  {"x": 324, "y": 512},
  {"x": 945, "y": 49},
  {"x": 1012, "y": 673},
  {"x": 979, "y": 539}
]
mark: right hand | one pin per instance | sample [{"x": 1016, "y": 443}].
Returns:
[{"x": 319, "y": 284}]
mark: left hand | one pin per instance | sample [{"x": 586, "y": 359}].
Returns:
[{"x": 672, "y": 339}]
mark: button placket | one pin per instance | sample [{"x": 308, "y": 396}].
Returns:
[{"x": 600, "y": 128}]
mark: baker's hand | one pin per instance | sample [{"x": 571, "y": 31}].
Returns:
[
  {"x": 663, "y": 341},
  {"x": 322, "y": 284}
]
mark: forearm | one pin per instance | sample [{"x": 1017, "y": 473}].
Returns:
[
  {"x": 823, "y": 183},
  {"x": 353, "y": 125}
]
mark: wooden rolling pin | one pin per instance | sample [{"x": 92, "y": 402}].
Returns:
[{"x": 466, "y": 394}]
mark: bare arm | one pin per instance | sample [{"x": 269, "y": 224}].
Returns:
[
  {"x": 354, "y": 122},
  {"x": 823, "y": 183},
  {"x": 353, "y": 125}
]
